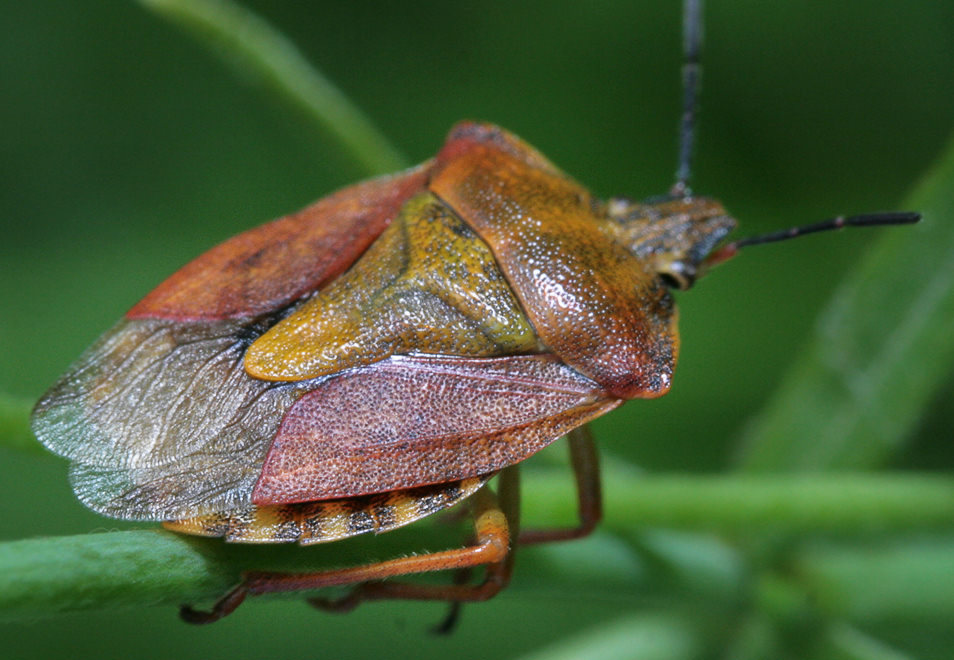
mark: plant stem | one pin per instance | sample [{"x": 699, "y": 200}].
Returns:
[
  {"x": 40, "y": 577},
  {"x": 252, "y": 46},
  {"x": 749, "y": 503}
]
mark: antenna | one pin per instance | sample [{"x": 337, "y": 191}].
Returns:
[
  {"x": 691, "y": 74},
  {"x": 866, "y": 220},
  {"x": 691, "y": 77}
]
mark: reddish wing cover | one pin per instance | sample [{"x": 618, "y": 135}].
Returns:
[
  {"x": 411, "y": 421},
  {"x": 268, "y": 267}
]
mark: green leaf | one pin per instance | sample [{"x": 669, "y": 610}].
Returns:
[
  {"x": 646, "y": 637},
  {"x": 847, "y": 643},
  {"x": 880, "y": 350},
  {"x": 911, "y": 579}
]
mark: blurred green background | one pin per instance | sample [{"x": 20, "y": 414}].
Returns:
[{"x": 126, "y": 149}]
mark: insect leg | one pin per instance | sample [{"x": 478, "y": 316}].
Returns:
[
  {"x": 586, "y": 470},
  {"x": 222, "y": 608},
  {"x": 496, "y": 521}
]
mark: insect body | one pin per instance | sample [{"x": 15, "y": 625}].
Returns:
[
  {"x": 381, "y": 354},
  {"x": 491, "y": 305}
]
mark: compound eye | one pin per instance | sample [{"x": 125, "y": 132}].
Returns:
[{"x": 678, "y": 275}]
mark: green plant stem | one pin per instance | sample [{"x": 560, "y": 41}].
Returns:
[
  {"x": 40, "y": 577},
  {"x": 252, "y": 46},
  {"x": 757, "y": 503},
  {"x": 15, "y": 430}
]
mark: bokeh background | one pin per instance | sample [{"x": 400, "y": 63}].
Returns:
[{"x": 126, "y": 149}]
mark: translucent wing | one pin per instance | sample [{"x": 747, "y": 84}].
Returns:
[{"x": 161, "y": 420}]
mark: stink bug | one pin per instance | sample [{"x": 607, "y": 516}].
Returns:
[{"x": 382, "y": 354}]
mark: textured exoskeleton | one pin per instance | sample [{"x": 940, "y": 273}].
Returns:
[{"x": 379, "y": 355}]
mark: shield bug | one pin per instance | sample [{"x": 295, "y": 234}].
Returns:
[{"x": 382, "y": 354}]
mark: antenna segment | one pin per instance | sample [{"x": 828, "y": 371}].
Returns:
[
  {"x": 867, "y": 220},
  {"x": 691, "y": 74}
]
